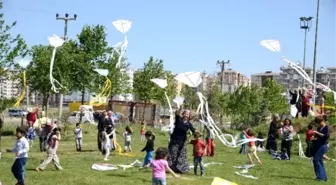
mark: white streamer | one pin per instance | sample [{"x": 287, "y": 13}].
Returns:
[
  {"x": 248, "y": 166},
  {"x": 301, "y": 153},
  {"x": 56, "y": 42},
  {"x": 247, "y": 176},
  {"x": 123, "y": 26},
  {"x": 135, "y": 163},
  {"x": 207, "y": 164}
]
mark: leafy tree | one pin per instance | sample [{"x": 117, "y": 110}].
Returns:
[
  {"x": 38, "y": 72},
  {"x": 90, "y": 49},
  {"x": 120, "y": 79},
  {"x": 10, "y": 47},
  {"x": 191, "y": 99},
  {"x": 144, "y": 88},
  {"x": 274, "y": 101}
]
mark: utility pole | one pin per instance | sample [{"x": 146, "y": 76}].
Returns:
[
  {"x": 315, "y": 50},
  {"x": 305, "y": 23},
  {"x": 65, "y": 19},
  {"x": 222, "y": 65}
]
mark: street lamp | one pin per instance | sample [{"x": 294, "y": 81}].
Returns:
[
  {"x": 306, "y": 24},
  {"x": 315, "y": 49}
]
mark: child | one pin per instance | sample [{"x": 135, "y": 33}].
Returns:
[
  {"x": 149, "y": 148},
  {"x": 20, "y": 149},
  {"x": 79, "y": 135},
  {"x": 31, "y": 135},
  {"x": 210, "y": 142},
  {"x": 260, "y": 143},
  {"x": 198, "y": 150},
  {"x": 243, "y": 136},
  {"x": 107, "y": 142},
  {"x": 309, "y": 139},
  {"x": 127, "y": 134},
  {"x": 52, "y": 145},
  {"x": 160, "y": 165},
  {"x": 252, "y": 148},
  {"x": 142, "y": 131}
]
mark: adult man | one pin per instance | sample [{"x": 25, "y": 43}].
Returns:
[
  {"x": 32, "y": 116},
  {"x": 101, "y": 127}
]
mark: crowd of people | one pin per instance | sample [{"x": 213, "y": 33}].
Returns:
[{"x": 175, "y": 157}]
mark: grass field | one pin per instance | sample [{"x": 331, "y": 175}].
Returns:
[{"x": 77, "y": 165}]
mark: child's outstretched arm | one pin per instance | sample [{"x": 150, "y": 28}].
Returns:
[{"x": 172, "y": 172}]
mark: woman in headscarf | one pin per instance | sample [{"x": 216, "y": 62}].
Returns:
[
  {"x": 273, "y": 135},
  {"x": 286, "y": 132},
  {"x": 177, "y": 158}
]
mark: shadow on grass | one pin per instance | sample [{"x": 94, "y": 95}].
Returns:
[
  {"x": 289, "y": 177},
  {"x": 118, "y": 175}
]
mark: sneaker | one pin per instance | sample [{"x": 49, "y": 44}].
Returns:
[{"x": 105, "y": 159}]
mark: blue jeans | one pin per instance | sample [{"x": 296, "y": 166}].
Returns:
[
  {"x": 243, "y": 149},
  {"x": 148, "y": 158},
  {"x": 198, "y": 160},
  {"x": 18, "y": 169},
  {"x": 318, "y": 163},
  {"x": 159, "y": 181}
]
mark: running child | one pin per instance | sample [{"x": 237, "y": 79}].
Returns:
[
  {"x": 142, "y": 131},
  {"x": 21, "y": 150},
  {"x": 52, "y": 146},
  {"x": 31, "y": 135},
  {"x": 128, "y": 137},
  {"x": 210, "y": 151},
  {"x": 78, "y": 138},
  {"x": 107, "y": 142},
  {"x": 252, "y": 148},
  {"x": 309, "y": 141},
  {"x": 149, "y": 148},
  {"x": 160, "y": 165},
  {"x": 242, "y": 136}
]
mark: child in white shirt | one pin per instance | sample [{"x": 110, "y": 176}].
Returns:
[
  {"x": 107, "y": 142},
  {"x": 31, "y": 135},
  {"x": 20, "y": 149},
  {"x": 128, "y": 137},
  {"x": 79, "y": 135}
]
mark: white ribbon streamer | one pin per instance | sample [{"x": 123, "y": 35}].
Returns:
[
  {"x": 207, "y": 164},
  {"x": 135, "y": 163},
  {"x": 301, "y": 153},
  {"x": 123, "y": 26},
  {"x": 247, "y": 176},
  {"x": 56, "y": 42},
  {"x": 248, "y": 166}
]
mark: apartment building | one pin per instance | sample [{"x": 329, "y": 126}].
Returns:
[
  {"x": 232, "y": 80},
  {"x": 260, "y": 78},
  {"x": 9, "y": 88},
  {"x": 327, "y": 77},
  {"x": 291, "y": 79}
]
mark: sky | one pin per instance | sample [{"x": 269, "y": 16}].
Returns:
[{"x": 190, "y": 35}]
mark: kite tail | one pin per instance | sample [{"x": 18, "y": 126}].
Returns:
[{"x": 23, "y": 92}]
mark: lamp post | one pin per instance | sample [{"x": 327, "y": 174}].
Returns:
[
  {"x": 305, "y": 24},
  {"x": 315, "y": 49},
  {"x": 65, "y": 19},
  {"x": 222, "y": 65}
]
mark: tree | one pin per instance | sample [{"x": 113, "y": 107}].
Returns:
[
  {"x": 144, "y": 89},
  {"x": 118, "y": 76},
  {"x": 10, "y": 47},
  {"x": 274, "y": 101},
  {"x": 38, "y": 72},
  {"x": 90, "y": 49}
]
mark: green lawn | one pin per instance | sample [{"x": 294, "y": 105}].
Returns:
[{"x": 77, "y": 166}]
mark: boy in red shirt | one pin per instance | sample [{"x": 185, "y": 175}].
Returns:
[
  {"x": 198, "y": 151},
  {"x": 309, "y": 138}
]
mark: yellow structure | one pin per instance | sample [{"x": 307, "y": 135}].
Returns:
[{"x": 219, "y": 181}]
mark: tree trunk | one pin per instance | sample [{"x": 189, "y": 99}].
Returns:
[
  {"x": 144, "y": 111},
  {"x": 82, "y": 102},
  {"x": 110, "y": 103},
  {"x": 1, "y": 125},
  {"x": 45, "y": 104}
]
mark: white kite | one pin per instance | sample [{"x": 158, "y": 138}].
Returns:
[
  {"x": 103, "y": 72},
  {"x": 55, "y": 42},
  {"x": 191, "y": 79},
  {"x": 273, "y": 45},
  {"x": 162, "y": 83},
  {"x": 123, "y": 26},
  {"x": 178, "y": 101},
  {"x": 194, "y": 79}
]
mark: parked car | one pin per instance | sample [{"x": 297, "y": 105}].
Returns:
[{"x": 17, "y": 112}]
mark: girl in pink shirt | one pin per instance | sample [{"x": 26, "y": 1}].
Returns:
[
  {"x": 252, "y": 151},
  {"x": 160, "y": 165}
]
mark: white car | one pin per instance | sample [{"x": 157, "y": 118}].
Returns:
[{"x": 87, "y": 117}]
